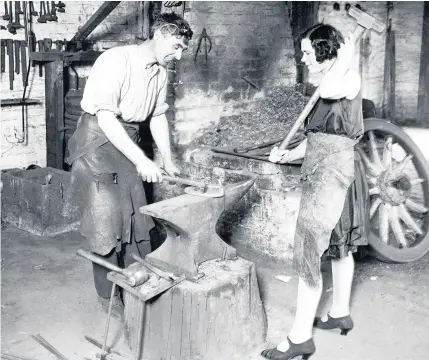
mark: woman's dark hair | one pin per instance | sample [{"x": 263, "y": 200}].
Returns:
[
  {"x": 325, "y": 39},
  {"x": 171, "y": 23}
]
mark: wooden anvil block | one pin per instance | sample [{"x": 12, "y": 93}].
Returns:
[{"x": 217, "y": 317}]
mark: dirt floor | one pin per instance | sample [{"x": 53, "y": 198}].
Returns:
[{"x": 48, "y": 290}]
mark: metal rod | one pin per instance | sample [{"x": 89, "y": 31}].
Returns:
[
  {"x": 104, "y": 349},
  {"x": 48, "y": 346}
]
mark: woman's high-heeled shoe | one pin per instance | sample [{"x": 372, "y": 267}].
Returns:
[
  {"x": 345, "y": 324},
  {"x": 305, "y": 349}
]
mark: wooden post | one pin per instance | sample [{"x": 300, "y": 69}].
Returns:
[
  {"x": 388, "y": 107},
  {"x": 423, "y": 96},
  {"x": 54, "y": 104}
]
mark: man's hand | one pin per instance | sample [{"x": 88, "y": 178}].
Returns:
[
  {"x": 279, "y": 156},
  {"x": 149, "y": 171},
  {"x": 171, "y": 169}
]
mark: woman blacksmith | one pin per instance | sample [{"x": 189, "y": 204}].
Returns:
[{"x": 332, "y": 213}]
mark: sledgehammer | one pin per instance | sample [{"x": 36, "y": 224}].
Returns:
[
  {"x": 132, "y": 277},
  {"x": 365, "y": 21}
]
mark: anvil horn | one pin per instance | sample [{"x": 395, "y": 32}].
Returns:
[
  {"x": 234, "y": 192},
  {"x": 190, "y": 221}
]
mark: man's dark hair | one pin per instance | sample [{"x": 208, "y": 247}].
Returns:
[
  {"x": 173, "y": 24},
  {"x": 325, "y": 39}
]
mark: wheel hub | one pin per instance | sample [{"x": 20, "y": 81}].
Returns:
[{"x": 394, "y": 191}]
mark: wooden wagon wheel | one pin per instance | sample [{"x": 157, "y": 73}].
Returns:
[{"x": 398, "y": 180}]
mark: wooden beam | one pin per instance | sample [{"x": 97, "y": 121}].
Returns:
[
  {"x": 423, "y": 95},
  {"x": 54, "y": 104},
  {"x": 88, "y": 55},
  {"x": 105, "y": 9}
]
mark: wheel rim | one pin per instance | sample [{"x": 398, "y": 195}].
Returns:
[{"x": 398, "y": 181}]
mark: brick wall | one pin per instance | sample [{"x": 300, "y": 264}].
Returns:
[
  {"x": 250, "y": 39},
  {"x": 119, "y": 26},
  {"x": 407, "y": 22}
]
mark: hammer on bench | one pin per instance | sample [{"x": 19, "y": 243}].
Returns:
[
  {"x": 133, "y": 278},
  {"x": 365, "y": 22}
]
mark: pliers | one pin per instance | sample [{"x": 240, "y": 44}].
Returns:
[{"x": 206, "y": 39}]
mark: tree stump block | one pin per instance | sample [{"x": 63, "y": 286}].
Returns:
[{"x": 217, "y": 317}]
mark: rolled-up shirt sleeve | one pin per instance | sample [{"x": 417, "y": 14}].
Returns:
[
  {"x": 161, "y": 104},
  {"x": 103, "y": 87}
]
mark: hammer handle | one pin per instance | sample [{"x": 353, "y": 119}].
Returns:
[
  {"x": 310, "y": 105},
  {"x": 176, "y": 180},
  {"x": 98, "y": 260}
]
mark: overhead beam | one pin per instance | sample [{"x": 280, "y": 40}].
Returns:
[{"x": 105, "y": 9}]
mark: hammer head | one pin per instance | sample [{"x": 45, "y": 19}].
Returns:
[
  {"x": 137, "y": 275},
  {"x": 365, "y": 20}
]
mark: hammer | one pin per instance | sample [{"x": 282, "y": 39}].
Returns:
[
  {"x": 365, "y": 21},
  {"x": 132, "y": 278},
  {"x": 204, "y": 186}
]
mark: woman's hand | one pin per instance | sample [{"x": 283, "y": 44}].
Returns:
[{"x": 279, "y": 156}]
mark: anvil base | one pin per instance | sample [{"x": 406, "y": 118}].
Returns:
[{"x": 219, "y": 316}]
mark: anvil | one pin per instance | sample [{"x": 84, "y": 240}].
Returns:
[{"x": 190, "y": 222}]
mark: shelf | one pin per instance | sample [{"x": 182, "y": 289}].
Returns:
[{"x": 17, "y": 102}]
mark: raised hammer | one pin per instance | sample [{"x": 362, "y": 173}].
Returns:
[{"x": 365, "y": 22}]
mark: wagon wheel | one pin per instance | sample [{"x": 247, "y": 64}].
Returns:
[{"x": 398, "y": 181}]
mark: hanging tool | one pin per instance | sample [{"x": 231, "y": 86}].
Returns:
[
  {"x": 48, "y": 12},
  {"x": 10, "y": 26},
  {"x": 24, "y": 6},
  {"x": 365, "y": 21},
  {"x": 32, "y": 11},
  {"x": 17, "y": 25},
  {"x": 200, "y": 40},
  {"x": 17, "y": 45},
  {"x": 24, "y": 62},
  {"x": 6, "y": 15},
  {"x": 18, "y": 7},
  {"x": 54, "y": 16},
  {"x": 42, "y": 341},
  {"x": 61, "y": 7},
  {"x": 10, "y": 54},
  {"x": 32, "y": 45},
  {"x": 42, "y": 15},
  {"x": 59, "y": 45},
  {"x": 132, "y": 277},
  {"x": 47, "y": 44},
  {"x": 40, "y": 47},
  {"x": 3, "y": 55}
]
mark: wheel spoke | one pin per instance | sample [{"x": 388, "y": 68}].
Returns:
[
  {"x": 372, "y": 169},
  {"x": 412, "y": 205},
  {"x": 396, "y": 226},
  {"x": 384, "y": 222},
  {"x": 375, "y": 155},
  {"x": 408, "y": 220},
  {"x": 371, "y": 180},
  {"x": 417, "y": 181},
  {"x": 374, "y": 191},
  {"x": 374, "y": 206},
  {"x": 387, "y": 153},
  {"x": 399, "y": 169}
]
